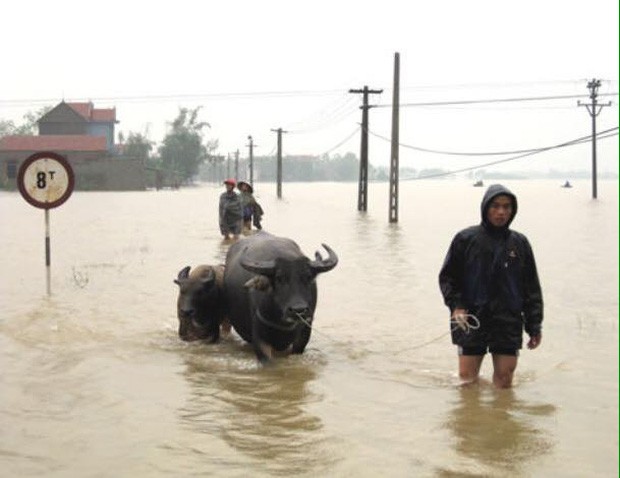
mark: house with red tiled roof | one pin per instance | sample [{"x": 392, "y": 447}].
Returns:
[
  {"x": 84, "y": 135},
  {"x": 79, "y": 119}
]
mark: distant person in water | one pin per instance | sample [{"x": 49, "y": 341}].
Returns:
[
  {"x": 490, "y": 284},
  {"x": 252, "y": 211},
  {"x": 230, "y": 211}
]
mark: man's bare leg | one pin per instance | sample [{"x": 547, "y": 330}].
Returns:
[
  {"x": 504, "y": 367},
  {"x": 469, "y": 368}
]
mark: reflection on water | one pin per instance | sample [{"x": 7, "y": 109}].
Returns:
[
  {"x": 496, "y": 432},
  {"x": 261, "y": 412}
]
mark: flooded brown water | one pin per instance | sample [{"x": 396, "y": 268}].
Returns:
[{"x": 96, "y": 383}]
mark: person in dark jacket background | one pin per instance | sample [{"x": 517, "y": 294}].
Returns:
[
  {"x": 252, "y": 211},
  {"x": 490, "y": 272}
]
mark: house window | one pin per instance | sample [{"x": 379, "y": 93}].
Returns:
[{"x": 11, "y": 169}]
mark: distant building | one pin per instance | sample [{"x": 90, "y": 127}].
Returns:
[
  {"x": 79, "y": 119},
  {"x": 85, "y": 136}
]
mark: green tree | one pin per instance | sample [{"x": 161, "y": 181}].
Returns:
[
  {"x": 182, "y": 149},
  {"x": 28, "y": 127},
  {"x": 7, "y": 127},
  {"x": 137, "y": 145},
  {"x": 345, "y": 168}
]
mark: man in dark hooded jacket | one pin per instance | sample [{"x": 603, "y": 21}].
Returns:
[{"x": 489, "y": 272}]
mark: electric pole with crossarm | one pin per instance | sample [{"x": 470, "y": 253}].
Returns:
[
  {"x": 594, "y": 109},
  {"x": 279, "y": 166},
  {"x": 362, "y": 190}
]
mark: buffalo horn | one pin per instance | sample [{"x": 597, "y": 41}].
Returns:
[
  {"x": 324, "y": 265},
  {"x": 183, "y": 274}
]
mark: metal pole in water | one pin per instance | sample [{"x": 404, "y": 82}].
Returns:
[
  {"x": 48, "y": 273},
  {"x": 45, "y": 179},
  {"x": 393, "y": 213},
  {"x": 251, "y": 146},
  {"x": 237, "y": 165},
  {"x": 279, "y": 162},
  {"x": 362, "y": 189},
  {"x": 594, "y": 109}
]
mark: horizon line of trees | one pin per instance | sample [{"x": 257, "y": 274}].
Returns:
[{"x": 185, "y": 155}]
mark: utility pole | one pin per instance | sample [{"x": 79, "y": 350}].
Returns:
[
  {"x": 237, "y": 165},
  {"x": 251, "y": 147},
  {"x": 393, "y": 213},
  {"x": 594, "y": 109},
  {"x": 362, "y": 189},
  {"x": 279, "y": 173},
  {"x": 227, "y": 165}
]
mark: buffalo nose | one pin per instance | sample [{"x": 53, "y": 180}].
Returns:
[
  {"x": 186, "y": 313},
  {"x": 303, "y": 311}
]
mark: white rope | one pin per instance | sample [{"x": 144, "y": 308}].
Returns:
[
  {"x": 465, "y": 322},
  {"x": 470, "y": 322}
]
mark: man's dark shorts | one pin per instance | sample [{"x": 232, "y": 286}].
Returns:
[
  {"x": 500, "y": 334},
  {"x": 483, "y": 351}
]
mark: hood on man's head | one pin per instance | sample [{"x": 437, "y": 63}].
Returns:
[{"x": 493, "y": 191}]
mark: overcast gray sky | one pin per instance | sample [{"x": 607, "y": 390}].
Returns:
[{"x": 257, "y": 65}]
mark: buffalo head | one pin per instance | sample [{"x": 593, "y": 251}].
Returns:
[
  {"x": 199, "y": 303},
  {"x": 288, "y": 287}
]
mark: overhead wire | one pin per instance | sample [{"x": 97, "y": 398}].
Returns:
[
  {"x": 176, "y": 97},
  {"x": 347, "y": 138},
  {"x": 601, "y": 135},
  {"x": 320, "y": 115},
  {"x": 503, "y": 84},
  {"x": 459, "y": 153},
  {"x": 336, "y": 116},
  {"x": 493, "y": 100}
]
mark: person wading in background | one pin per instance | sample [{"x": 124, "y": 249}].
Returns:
[
  {"x": 489, "y": 272},
  {"x": 230, "y": 211},
  {"x": 251, "y": 208}
]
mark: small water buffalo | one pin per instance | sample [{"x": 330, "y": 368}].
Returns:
[
  {"x": 271, "y": 292},
  {"x": 200, "y": 306}
]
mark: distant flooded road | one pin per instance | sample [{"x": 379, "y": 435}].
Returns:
[{"x": 94, "y": 381}]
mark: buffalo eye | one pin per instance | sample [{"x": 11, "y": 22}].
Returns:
[{"x": 280, "y": 278}]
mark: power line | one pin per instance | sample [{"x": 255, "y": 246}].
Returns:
[
  {"x": 334, "y": 117},
  {"x": 456, "y": 153},
  {"x": 348, "y": 137},
  {"x": 176, "y": 96},
  {"x": 561, "y": 145},
  {"x": 322, "y": 115},
  {"x": 502, "y": 84},
  {"x": 494, "y": 100}
]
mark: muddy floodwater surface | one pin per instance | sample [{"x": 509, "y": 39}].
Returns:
[{"x": 94, "y": 381}]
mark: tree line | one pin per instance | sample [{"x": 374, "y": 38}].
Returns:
[
  {"x": 186, "y": 155},
  {"x": 294, "y": 168}
]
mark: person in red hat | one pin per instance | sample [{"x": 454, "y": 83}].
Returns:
[{"x": 231, "y": 212}]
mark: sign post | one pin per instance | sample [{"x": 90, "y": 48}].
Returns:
[{"x": 46, "y": 180}]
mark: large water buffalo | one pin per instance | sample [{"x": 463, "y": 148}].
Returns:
[
  {"x": 271, "y": 292},
  {"x": 200, "y": 304}
]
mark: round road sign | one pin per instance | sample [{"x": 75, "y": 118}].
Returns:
[{"x": 45, "y": 180}]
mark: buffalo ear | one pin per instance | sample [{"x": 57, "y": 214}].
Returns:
[
  {"x": 208, "y": 277},
  {"x": 259, "y": 282}
]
